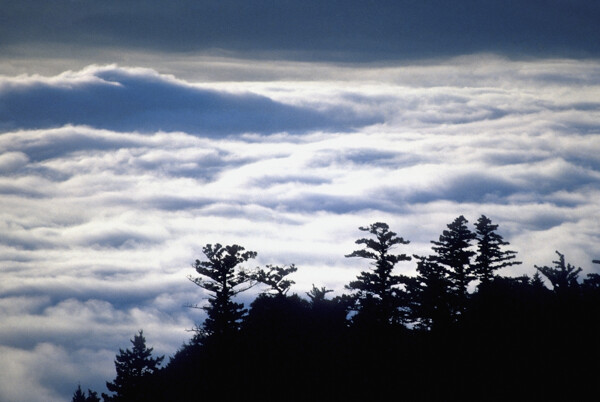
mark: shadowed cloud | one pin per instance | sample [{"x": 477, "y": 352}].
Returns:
[
  {"x": 123, "y": 99},
  {"x": 311, "y": 29}
]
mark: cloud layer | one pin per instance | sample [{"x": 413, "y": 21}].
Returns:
[
  {"x": 311, "y": 29},
  {"x": 141, "y": 100},
  {"x": 101, "y": 217}
]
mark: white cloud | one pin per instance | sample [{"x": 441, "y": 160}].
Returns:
[
  {"x": 11, "y": 161},
  {"x": 100, "y": 226}
]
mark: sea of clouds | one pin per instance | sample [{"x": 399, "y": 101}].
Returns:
[{"x": 112, "y": 179}]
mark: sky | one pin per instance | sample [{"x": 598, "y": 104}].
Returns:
[{"x": 132, "y": 133}]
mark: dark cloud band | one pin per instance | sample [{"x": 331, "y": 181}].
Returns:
[
  {"x": 312, "y": 29},
  {"x": 141, "y": 100}
]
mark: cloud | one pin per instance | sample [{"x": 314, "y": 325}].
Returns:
[
  {"x": 100, "y": 222},
  {"x": 122, "y": 99},
  {"x": 12, "y": 161},
  {"x": 312, "y": 30}
]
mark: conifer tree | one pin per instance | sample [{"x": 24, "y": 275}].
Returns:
[
  {"x": 318, "y": 295},
  {"x": 430, "y": 293},
  {"x": 92, "y": 396},
  {"x": 276, "y": 278},
  {"x": 536, "y": 281},
  {"x": 592, "y": 281},
  {"x": 223, "y": 279},
  {"x": 78, "y": 396},
  {"x": 453, "y": 252},
  {"x": 133, "y": 367},
  {"x": 490, "y": 256},
  {"x": 378, "y": 295},
  {"x": 562, "y": 276},
  {"x": 327, "y": 313}
]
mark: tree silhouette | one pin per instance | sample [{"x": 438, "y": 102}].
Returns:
[
  {"x": 562, "y": 276},
  {"x": 430, "y": 293},
  {"x": 318, "y": 295},
  {"x": 92, "y": 396},
  {"x": 452, "y": 251},
  {"x": 592, "y": 281},
  {"x": 377, "y": 293},
  {"x": 497, "y": 343},
  {"x": 490, "y": 256},
  {"x": 275, "y": 277},
  {"x": 79, "y": 396},
  {"x": 222, "y": 278},
  {"x": 134, "y": 366},
  {"x": 327, "y": 314}
]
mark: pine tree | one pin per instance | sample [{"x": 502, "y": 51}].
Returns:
[
  {"x": 133, "y": 367},
  {"x": 537, "y": 282},
  {"x": 592, "y": 281},
  {"x": 452, "y": 252},
  {"x": 430, "y": 293},
  {"x": 222, "y": 278},
  {"x": 318, "y": 295},
  {"x": 92, "y": 396},
  {"x": 275, "y": 277},
  {"x": 562, "y": 276},
  {"x": 490, "y": 256},
  {"x": 78, "y": 396},
  {"x": 378, "y": 295}
]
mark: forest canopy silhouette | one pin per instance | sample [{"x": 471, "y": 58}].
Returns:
[{"x": 456, "y": 330}]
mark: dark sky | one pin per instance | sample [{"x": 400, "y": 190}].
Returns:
[{"x": 351, "y": 30}]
